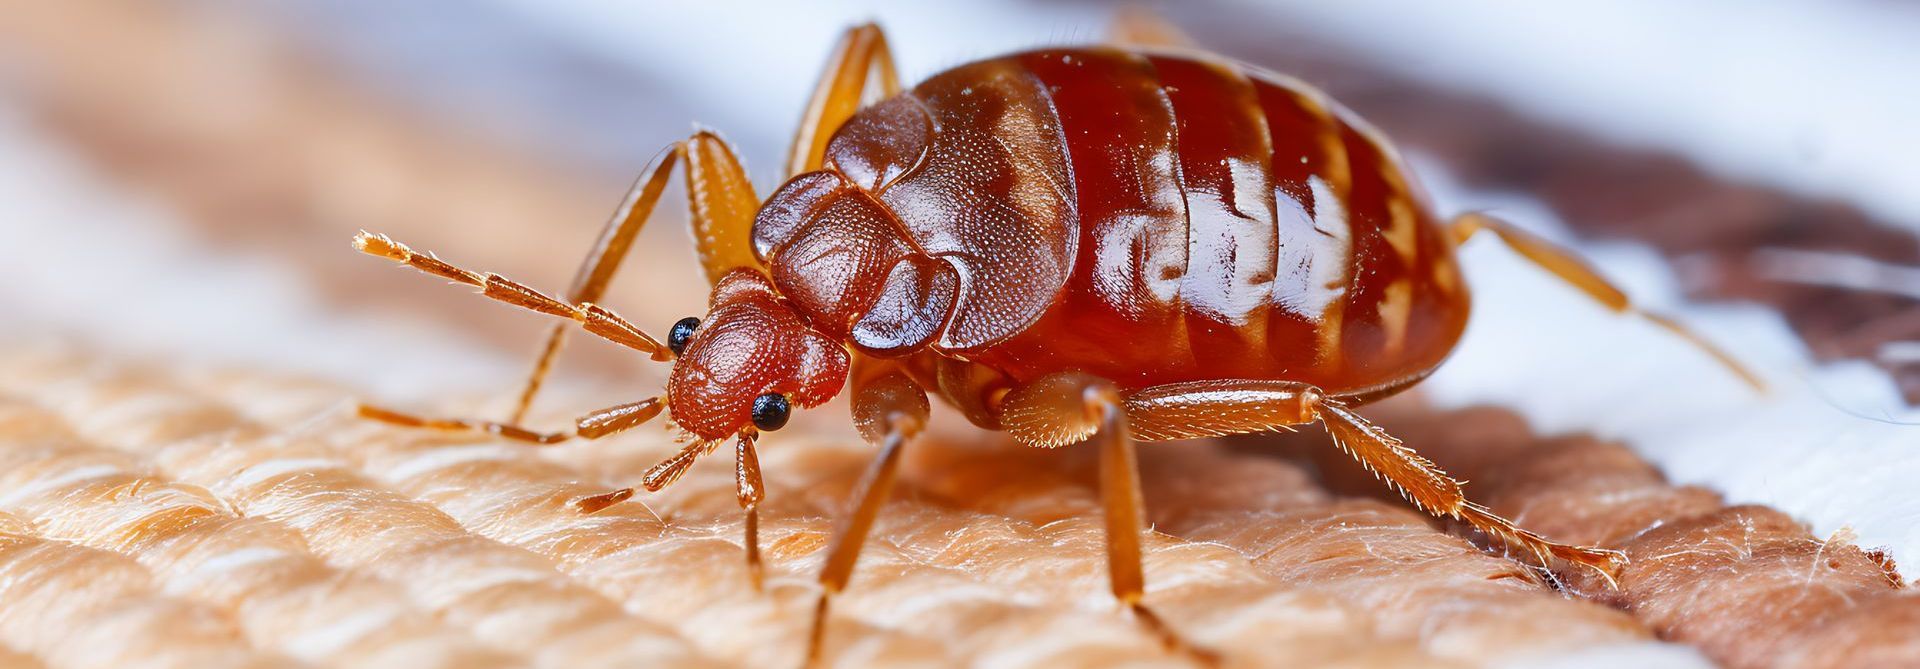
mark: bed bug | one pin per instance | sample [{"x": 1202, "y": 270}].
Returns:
[{"x": 1107, "y": 244}]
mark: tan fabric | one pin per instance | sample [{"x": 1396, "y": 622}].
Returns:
[
  {"x": 1746, "y": 584},
  {"x": 170, "y": 517},
  {"x": 245, "y": 518}
]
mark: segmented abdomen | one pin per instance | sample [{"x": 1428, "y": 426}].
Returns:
[{"x": 1231, "y": 224}]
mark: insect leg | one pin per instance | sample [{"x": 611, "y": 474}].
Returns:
[
  {"x": 598, "y": 268},
  {"x": 1215, "y": 408},
  {"x": 722, "y": 204},
  {"x": 593, "y": 425},
  {"x": 1431, "y": 489},
  {"x": 890, "y": 409},
  {"x": 1138, "y": 26},
  {"x": 862, "y": 52},
  {"x": 1576, "y": 272},
  {"x": 1071, "y": 406}
]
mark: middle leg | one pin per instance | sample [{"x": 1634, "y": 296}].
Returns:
[
  {"x": 1069, "y": 407},
  {"x": 861, "y": 56}
]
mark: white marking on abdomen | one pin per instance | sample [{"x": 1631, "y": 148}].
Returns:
[
  {"x": 1331, "y": 268},
  {"x": 1230, "y": 254}
]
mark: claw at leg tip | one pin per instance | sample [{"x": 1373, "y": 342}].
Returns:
[
  {"x": 1608, "y": 566},
  {"x": 596, "y": 503}
]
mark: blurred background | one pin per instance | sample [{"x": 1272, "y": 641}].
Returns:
[{"x": 179, "y": 180}]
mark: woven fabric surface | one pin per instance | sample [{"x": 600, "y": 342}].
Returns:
[
  {"x": 164, "y": 517},
  {"x": 244, "y": 519}
]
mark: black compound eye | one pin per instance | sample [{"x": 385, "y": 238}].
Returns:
[
  {"x": 770, "y": 411},
  {"x": 681, "y": 331}
]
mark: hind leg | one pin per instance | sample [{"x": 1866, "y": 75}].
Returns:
[
  {"x": 1219, "y": 408},
  {"x": 1570, "y": 268}
]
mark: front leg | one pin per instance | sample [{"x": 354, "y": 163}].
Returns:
[{"x": 889, "y": 408}]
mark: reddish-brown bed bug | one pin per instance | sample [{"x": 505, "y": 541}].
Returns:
[{"x": 1101, "y": 244}]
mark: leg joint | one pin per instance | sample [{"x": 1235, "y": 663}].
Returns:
[{"x": 1060, "y": 409}]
